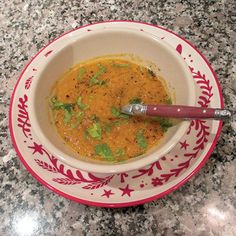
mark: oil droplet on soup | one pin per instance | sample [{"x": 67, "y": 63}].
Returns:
[{"x": 85, "y": 105}]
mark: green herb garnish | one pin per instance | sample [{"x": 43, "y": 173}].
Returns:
[
  {"x": 164, "y": 123},
  {"x": 86, "y": 134},
  {"x": 115, "y": 112},
  {"x": 79, "y": 117},
  {"x": 56, "y": 104},
  {"x": 168, "y": 101},
  {"x": 67, "y": 115},
  {"x": 81, "y": 73},
  {"x": 60, "y": 105},
  {"x": 67, "y": 107},
  {"x": 141, "y": 139},
  {"x": 108, "y": 128},
  {"x": 135, "y": 101},
  {"x": 119, "y": 152},
  {"x": 125, "y": 116},
  {"x": 68, "y": 112},
  {"x": 104, "y": 151},
  {"x": 95, "y": 131},
  {"x": 94, "y": 80},
  {"x": 94, "y": 118},
  {"x": 81, "y": 105}
]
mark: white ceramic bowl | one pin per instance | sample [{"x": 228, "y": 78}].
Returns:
[{"x": 75, "y": 47}]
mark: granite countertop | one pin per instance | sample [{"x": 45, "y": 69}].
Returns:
[{"x": 206, "y": 205}]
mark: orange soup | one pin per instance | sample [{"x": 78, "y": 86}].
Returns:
[{"x": 86, "y": 109}]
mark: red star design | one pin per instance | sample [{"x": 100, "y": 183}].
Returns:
[
  {"x": 184, "y": 145},
  {"x": 37, "y": 148},
  {"x": 107, "y": 193},
  {"x": 126, "y": 190}
]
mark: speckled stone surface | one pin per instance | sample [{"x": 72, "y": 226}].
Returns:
[{"x": 206, "y": 205}]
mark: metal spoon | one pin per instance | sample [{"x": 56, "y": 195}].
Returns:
[{"x": 177, "y": 111}]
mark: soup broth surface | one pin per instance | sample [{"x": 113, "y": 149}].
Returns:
[{"x": 85, "y": 107}]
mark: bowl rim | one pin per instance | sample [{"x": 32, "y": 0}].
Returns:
[{"x": 119, "y": 167}]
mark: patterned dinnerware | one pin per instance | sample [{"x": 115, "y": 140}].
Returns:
[{"x": 131, "y": 188}]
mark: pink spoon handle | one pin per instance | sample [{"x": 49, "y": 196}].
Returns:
[{"x": 176, "y": 111}]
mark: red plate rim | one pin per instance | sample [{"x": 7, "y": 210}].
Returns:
[{"x": 114, "y": 205}]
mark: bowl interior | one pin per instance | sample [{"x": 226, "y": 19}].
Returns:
[{"x": 74, "y": 48}]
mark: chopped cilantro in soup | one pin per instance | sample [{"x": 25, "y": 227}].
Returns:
[{"x": 86, "y": 109}]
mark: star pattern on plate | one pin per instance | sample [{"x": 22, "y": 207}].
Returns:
[
  {"x": 184, "y": 145},
  {"x": 126, "y": 191},
  {"x": 107, "y": 193},
  {"x": 37, "y": 148}
]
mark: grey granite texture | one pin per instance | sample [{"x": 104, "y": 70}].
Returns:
[{"x": 206, "y": 205}]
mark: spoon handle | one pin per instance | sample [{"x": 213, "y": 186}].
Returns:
[
  {"x": 176, "y": 111},
  {"x": 186, "y": 112}
]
